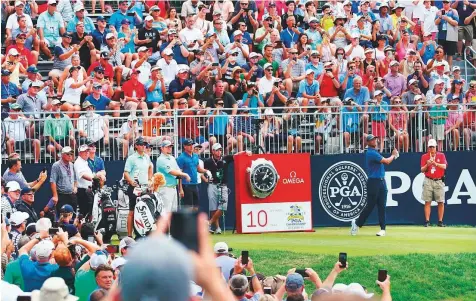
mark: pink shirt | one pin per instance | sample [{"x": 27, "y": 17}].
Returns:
[{"x": 454, "y": 116}]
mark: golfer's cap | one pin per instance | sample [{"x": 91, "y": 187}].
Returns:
[
  {"x": 97, "y": 259},
  {"x": 237, "y": 32},
  {"x": 370, "y": 137},
  {"x": 168, "y": 278},
  {"x": 456, "y": 68},
  {"x": 309, "y": 71},
  {"x": 166, "y": 143},
  {"x": 13, "y": 186},
  {"x": 328, "y": 64},
  {"x": 83, "y": 148},
  {"x": 294, "y": 282},
  {"x": 313, "y": 19},
  {"x": 394, "y": 63},
  {"x": 18, "y": 3},
  {"x": 126, "y": 242},
  {"x": 412, "y": 81},
  {"x": 378, "y": 92},
  {"x": 432, "y": 142},
  {"x": 253, "y": 54},
  {"x": 197, "y": 145},
  {"x": 18, "y": 217},
  {"x": 118, "y": 262},
  {"x": 56, "y": 102},
  {"x": 15, "y": 106},
  {"x": 172, "y": 31},
  {"x": 67, "y": 150},
  {"x": 168, "y": 51},
  {"x": 35, "y": 84},
  {"x": 358, "y": 290},
  {"x": 369, "y": 50},
  {"x": 438, "y": 96},
  {"x": 216, "y": 146},
  {"x": 267, "y": 65},
  {"x": 78, "y": 7},
  {"x": 220, "y": 248}
]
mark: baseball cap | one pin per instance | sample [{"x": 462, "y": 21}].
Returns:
[
  {"x": 13, "y": 186},
  {"x": 13, "y": 51},
  {"x": 43, "y": 249},
  {"x": 26, "y": 190},
  {"x": 388, "y": 48},
  {"x": 309, "y": 71},
  {"x": 149, "y": 18},
  {"x": 234, "y": 50},
  {"x": 439, "y": 81},
  {"x": 68, "y": 208},
  {"x": 171, "y": 31},
  {"x": 15, "y": 106},
  {"x": 155, "y": 68},
  {"x": 104, "y": 54},
  {"x": 370, "y": 137},
  {"x": 109, "y": 35},
  {"x": 458, "y": 81},
  {"x": 6, "y": 72},
  {"x": 97, "y": 259},
  {"x": 339, "y": 288},
  {"x": 125, "y": 21},
  {"x": 78, "y": 8},
  {"x": 412, "y": 81},
  {"x": 183, "y": 69},
  {"x": 327, "y": 64},
  {"x": 30, "y": 229},
  {"x": 168, "y": 51},
  {"x": 168, "y": 278},
  {"x": 237, "y": 32},
  {"x": 32, "y": 69},
  {"x": 55, "y": 102},
  {"x": 411, "y": 52},
  {"x": 220, "y": 248},
  {"x": 87, "y": 104},
  {"x": 166, "y": 143},
  {"x": 456, "y": 68},
  {"x": 268, "y": 112},
  {"x": 358, "y": 290},
  {"x": 432, "y": 142},
  {"x": 140, "y": 141},
  {"x": 217, "y": 146},
  {"x": 118, "y": 262},
  {"x": 67, "y": 150},
  {"x": 393, "y": 63},
  {"x": 439, "y": 64},
  {"x": 126, "y": 242},
  {"x": 315, "y": 52},
  {"x": 52, "y": 2},
  {"x": 18, "y": 3},
  {"x": 142, "y": 48},
  {"x": 67, "y": 35},
  {"x": 417, "y": 97},
  {"x": 35, "y": 84},
  {"x": 100, "y": 18},
  {"x": 253, "y": 54},
  {"x": 99, "y": 68},
  {"x": 294, "y": 282},
  {"x": 188, "y": 142},
  {"x": 154, "y": 8},
  {"x": 313, "y": 19},
  {"x": 378, "y": 92},
  {"x": 355, "y": 35},
  {"x": 209, "y": 34},
  {"x": 132, "y": 117},
  {"x": 135, "y": 71},
  {"x": 54, "y": 288},
  {"x": 437, "y": 96},
  {"x": 82, "y": 148},
  {"x": 18, "y": 217}
]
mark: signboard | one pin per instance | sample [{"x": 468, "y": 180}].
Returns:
[{"x": 273, "y": 193}]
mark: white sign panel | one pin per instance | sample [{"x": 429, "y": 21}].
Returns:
[{"x": 276, "y": 217}]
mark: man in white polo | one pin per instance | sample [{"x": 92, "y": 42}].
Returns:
[{"x": 85, "y": 178}]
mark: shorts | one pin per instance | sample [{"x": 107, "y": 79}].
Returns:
[
  {"x": 433, "y": 191},
  {"x": 26, "y": 144},
  {"x": 190, "y": 197},
  {"x": 56, "y": 72},
  {"x": 132, "y": 198},
  {"x": 334, "y": 100},
  {"x": 296, "y": 86},
  {"x": 378, "y": 129},
  {"x": 217, "y": 197},
  {"x": 128, "y": 105},
  {"x": 438, "y": 132},
  {"x": 465, "y": 33},
  {"x": 150, "y": 105},
  {"x": 125, "y": 71},
  {"x": 448, "y": 46},
  {"x": 62, "y": 141}
]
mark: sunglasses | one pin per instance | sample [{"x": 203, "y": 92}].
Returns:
[
  {"x": 244, "y": 4},
  {"x": 18, "y": 38},
  {"x": 220, "y": 104},
  {"x": 235, "y": 54},
  {"x": 28, "y": 194},
  {"x": 182, "y": 103},
  {"x": 99, "y": 72},
  {"x": 431, "y": 147},
  {"x": 269, "y": 69},
  {"x": 472, "y": 86}
]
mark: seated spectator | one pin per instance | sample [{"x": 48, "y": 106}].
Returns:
[
  {"x": 413, "y": 90},
  {"x": 33, "y": 75},
  {"x": 105, "y": 90},
  {"x": 50, "y": 27},
  {"x": 129, "y": 132},
  {"x": 268, "y": 58},
  {"x": 16, "y": 20},
  {"x": 30, "y": 40},
  {"x": 315, "y": 64},
  {"x": 31, "y": 103},
  {"x": 13, "y": 64},
  {"x": 155, "y": 90},
  {"x": 308, "y": 93},
  {"x": 187, "y": 127},
  {"x": 294, "y": 71},
  {"x": 219, "y": 28},
  {"x": 134, "y": 94},
  {"x": 148, "y": 36},
  {"x": 168, "y": 66},
  {"x": 470, "y": 94},
  {"x": 354, "y": 49},
  {"x": 123, "y": 13},
  {"x": 277, "y": 98},
  {"x": 107, "y": 69},
  {"x": 142, "y": 64},
  {"x": 190, "y": 36},
  {"x": 202, "y": 61},
  {"x": 80, "y": 17},
  {"x": 290, "y": 125},
  {"x": 291, "y": 32},
  {"x": 11, "y": 197},
  {"x": 237, "y": 85},
  {"x": 18, "y": 128},
  {"x": 254, "y": 71},
  {"x": 25, "y": 204},
  {"x": 94, "y": 126},
  {"x": 438, "y": 89},
  {"x": 63, "y": 53},
  {"x": 9, "y": 92},
  {"x": 99, "y": 34},
  {"x": 439, "y": 74},
  {"x": 82, "y": 74},
  {"x": 419, "y": 74},
  {"x": 181, "y": 87},
  {"x": 469, "y": 125},
  {"x": 398, "y": 123},
  {"x": 13, "y": 173},
  {"x": 125, "y": 38},
  {"x": 378, "y": 109},
  {"x": 73, "y": 87},
  {"x": 395, "y": 81},
  {"x": 116, "y": 58},
  {"x": 227, "y": 97},
  {"x": 87, "y": 50},
  {"x": 252, "y": 98},
  {"x": 351, "y": 126},
  {"x": 237, "y": 49},
  {"x": 151, "y": 127},
  {"x": 27, "y": 56},
  {"x": 329, "y": 85},
  {"x": 453, "y": 122},
  {"x": 243, "y": 131},
  {"x": 58, "y": 129},
  {"x": 159, "y": 22}
]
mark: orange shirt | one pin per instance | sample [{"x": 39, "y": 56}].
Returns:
[
  {"x": 434, "y": 172},
  {"x": 151, "y": 127}
]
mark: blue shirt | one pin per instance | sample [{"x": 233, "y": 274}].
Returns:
[
  {"x": 96, "y": 165},
  {"x": 100, "y": 103},
  {"x": 176, "y": 86},
  {"x": 70, "y": 228},
  {"x": 88, "y": 25},
  {"x": 360, "y": 98},
  {"x": 165, "y": 164},
  {"x": 118, "y": 16},
  {"x": 375, "y": 169},
  {"x": 253, "y": 103},
  {"x": 350, "y": 120},
  {"x": 156, "y": 95},
  {"x": 429, "y": 52},
  {"x": 188, "y": 164},
  {"x": 379, "y": 112},
  {"x": 178, "y": 57},
  {"x": 289, "y": 37},
  {"x": 218, "y": 124},
  {"x": 317, "y": 70},
  {"x": 9, "y": 90},
  {"x": 311, "y": 89},
  {"x": 34, "y": 273}
]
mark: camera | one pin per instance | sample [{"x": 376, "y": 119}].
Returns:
[
  {"x": 328, "y": 70},
  {"x": 271, "y": 26},
  {"x": 246, "y": 10},
  {"x": 347, "y": 103}
]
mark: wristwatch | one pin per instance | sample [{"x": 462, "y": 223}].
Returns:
[{"x": 37, "y": 236}]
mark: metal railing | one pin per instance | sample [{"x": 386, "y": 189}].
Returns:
[
  {"x": 469, "y": 64},
  {"x": 325, "y": 131}
]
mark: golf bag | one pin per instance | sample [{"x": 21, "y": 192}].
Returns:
[
  {"x": 104, "y": 213},
  {"x": 149, "y": 207},
  {"x": 122, "y": 208}
]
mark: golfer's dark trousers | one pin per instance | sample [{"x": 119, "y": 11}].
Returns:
[
  {"x": 376, "y": 196},
  {"x": 85, "y": 201}
]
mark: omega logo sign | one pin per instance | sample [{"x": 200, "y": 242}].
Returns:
[{"x": 293, "y": 179}]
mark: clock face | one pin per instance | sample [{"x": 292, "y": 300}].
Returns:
[{"x": 264, "y": 178}]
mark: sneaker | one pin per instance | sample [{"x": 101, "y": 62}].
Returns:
[
  {"x": 218, "y": 230},
  {"x": 354, "y": 228},
  {"x": 427, "y": 223},
  {"x": 381, "y": 233},
  {"x": 211, "y": 230},
  {"x": 440, "y": 224}
]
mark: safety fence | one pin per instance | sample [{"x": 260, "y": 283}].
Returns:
[{"x": 325, "y": 130}]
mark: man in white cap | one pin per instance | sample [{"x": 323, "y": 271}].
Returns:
[
  {"x": 12, "y": 21},
  {"x": 168, "y": 66},
  {"x": 8, "y": 200},
  {"x": 237, "y": 46},
  {"x": 439, "y": 74},
  {"x": 125, "y": 244},
  {"x": 438, "y": 116},
  {"x": 308, "y": 93},
  {"x": 85, "y": 177},
  {"x": 266, "y": 83},
  {"x": 223, "y": 259},
  {"x": 64, "y": 184},
  {"x": 18, "y": 222},
  {"x": 128, "y": 133},
  {"x": 116, "y": 58},
  {"x": 356, "y": 289},
  {"x": 148, "y": 36},
  {"x": 354, "y": 49},
  {"x": 395, "y": 82},
  {"x": 438, "y": 89},
  {"x": 80, "y": 16},
  {"x": 433, "y": 165}
]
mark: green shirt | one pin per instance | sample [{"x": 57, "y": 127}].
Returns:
[
  {"x": 67, "y": 274},
  {"x": 138, "y": 166},
  {"x": 438, "y": 114},
  {"x": 85, "y": 284},
  {"x": 267, "y": 39},
  {"x": 13, "y": 274},
  {"x": 58, "y": 128},
  {"x": 274, "y": 64}
]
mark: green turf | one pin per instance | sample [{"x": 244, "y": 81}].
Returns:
[{"x": 425, "y": 263}]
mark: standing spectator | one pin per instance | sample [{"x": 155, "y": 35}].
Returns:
[
  {"x": 85, "y": 177},
  {"x": 180, "y": 52},
  {"x": 433, "y": 164},
  {"x": 290, "y": 34},
  {"x": 438, "y": 115},
  {"x": 64, "y": 183},
  {"x": 95, "y": 163},
  {"x": 409, "y": 96},
  {"x": 395, "y": 82},
  {"x": 329, "y": 85},
  {"x": 13, "y": 173},
  {"x": 294, "y": 71},
  {"x": 80, "y": 17},
  {"x": 418, "y": 123},
  {"x": 378, "y": 114},
  {"x": 219, "y": 126},
  {"x": 447, "y": 21},
  {"x": 228, "y": 99},
  {"x": 137, "y": 172},
  {"x": 122, "y": 13},
  {"x": 58, "y": 129},
  {"x": 454, "y": 122},
  {"x": 134, "y": 94},
  {"x": 188, "y": 163},
  {"x": 438, "y": 89},
  {"x": 191, "y": 36},
  {"x": 85, "y": 280},
  {"x": 11, "y": 197},
  {"x": 26, "y": 205},
  {"x": 237, "y": 49},
  {"x": 50, "y": 27},
  {"x": 223, "y": 260},
  {"x": 104, "y": 278},
  {"x": 167, "y": 165},
  {"x": 398, "y": 123},
  {"x": 18, "y": 221}
]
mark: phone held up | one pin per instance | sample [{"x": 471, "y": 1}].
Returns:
[
  {"x": 382, "y": 275},
  {"x": 343, "y": 260},
  {"x": 183, "y": 227},
  {"x": 244, "y": 257}
]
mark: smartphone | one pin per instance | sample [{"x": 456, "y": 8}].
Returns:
[
  {"x": 276, "y": 84},
  {"x": 53, "y": 231},
  {"x": 302, "y": 272},
  {"x": 343, "y": 260},
  {"x": 183, "y": 227},
  {"x": 8, "y": 215},
  {"x": 24, "y": 298},
  {"x": 443, "y": 12},
  {"x": 382, "y": 275},
  {"x": 44, "y": 170},
  {"x": 91, "y": 238},
  {"x": 267, "y": 290},
  {"x": 244, "y": 257},
  {"x": 214, "y": 64},
  {"x": 130, "y": 14},
  {"x": 112, "y": 249}
]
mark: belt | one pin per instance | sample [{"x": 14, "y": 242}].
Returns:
[{"x": 434, "y": 179}]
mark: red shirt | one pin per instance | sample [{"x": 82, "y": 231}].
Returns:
[
  {"x": 108, "y": 70},
  {"x": 129, "y": 87},
  {"x": 434, "y": 172},
  {"x": 188, "y": 125},
  {"x": 327, "y": 88},
  {"x": 26, "y": 59},
  {"x": 469, "y": 120}
]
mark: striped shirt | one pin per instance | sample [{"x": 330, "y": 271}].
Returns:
[
  {"x": 18, "y": 177},
  {"x": 64, "y": 176},
  {"x": 7, "y": 206}
]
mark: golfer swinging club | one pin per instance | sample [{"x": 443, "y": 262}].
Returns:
[{"x": 376, "y": 186}]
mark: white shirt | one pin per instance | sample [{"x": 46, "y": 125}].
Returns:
[
  {"x": 11, "y": 292},
  {"x": 199, "y": 177},
  {"x": 265, "y": 85},
  {"x": 358, "y": 51},
  {"x": 144, "y": 74},
  {"x": 125, "y": 129},
  {"x": 72, "y": 95},
  {"x": 12, "y": 21},
  {"x": 93, "y": 126},
  {"x": 429, "y": 16},
  {"x": 187, "y": 36},
  {"x": 169, "y": 71},
  {"x": 434, "y": 76},
  {"x": 240, "y": 59},
  {"x": 15, "y": 128},
  {"x": 81, "y": 168}
]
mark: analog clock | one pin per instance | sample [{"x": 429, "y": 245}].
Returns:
[{"x": 263, "y": 178}]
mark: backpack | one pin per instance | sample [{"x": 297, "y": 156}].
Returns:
[{"x": 146, "y": 212}]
